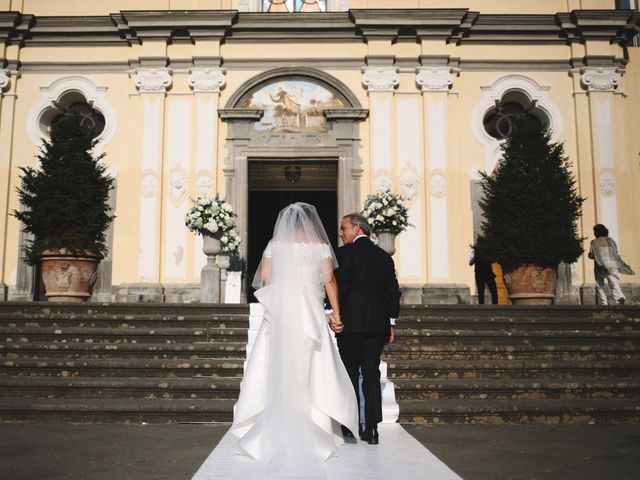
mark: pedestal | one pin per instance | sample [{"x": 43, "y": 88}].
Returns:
[{"x": 210, "y": 275}]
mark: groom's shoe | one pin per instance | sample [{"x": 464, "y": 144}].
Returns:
[
  {"x": 370, "y": 435},
  {"x": 346, "y": 432}
]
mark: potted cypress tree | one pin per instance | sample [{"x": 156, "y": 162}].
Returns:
[
  {"x": 65, "y": 207},
  {"x": 531, "y": 207}
]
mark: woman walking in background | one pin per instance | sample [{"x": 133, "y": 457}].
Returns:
[{"x": 607, "y": 264}]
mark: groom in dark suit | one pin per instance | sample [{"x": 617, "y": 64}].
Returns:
[{"x": 369, "y": 306}]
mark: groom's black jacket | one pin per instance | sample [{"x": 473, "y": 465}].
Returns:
[{"x": 367, "y": 286}]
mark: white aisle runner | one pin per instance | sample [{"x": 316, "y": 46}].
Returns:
[{"x": 399, "y": 456}]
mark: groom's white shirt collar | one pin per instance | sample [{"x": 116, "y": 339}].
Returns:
[{"x": 359, "y": 236}]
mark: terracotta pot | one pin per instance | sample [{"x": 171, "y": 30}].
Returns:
[
  {"x": 387, "y": 241},
  {"x": 66, "y": 277},
  {"x": 531, "y": 284}
]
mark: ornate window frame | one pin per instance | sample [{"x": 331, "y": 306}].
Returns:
[
  {"x": 492, "y": 95},
  {"x": 94, "y": 95}
]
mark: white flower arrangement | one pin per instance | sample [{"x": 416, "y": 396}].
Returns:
[
  {"x": 230, "y": 241},
  {"x": 212, "y": 216},
  {"x": 386, "y": 211}
]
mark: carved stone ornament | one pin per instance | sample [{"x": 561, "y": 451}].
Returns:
[
  {"x": 434, "y": 79},
  {"x": 152, "y": 79},
  {"x": 383, "y": 183},
  {"x": 409, "y": 184},
  {"x": 5, "y": 79},
  {"x": 600, "y": 79},
  {"x": 149, "y": 185},
  {"x": 177, "y": 183},
  {"x": 380, "y": 79},
  {"x": 438, "y": 186},
  {"x": 607, "y": 184},
  {"x": 207, "y": 79},
  {"x": 204, "y": 184}
]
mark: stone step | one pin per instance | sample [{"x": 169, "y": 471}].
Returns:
[
  {"x": 152, "y": 335},
  {"x": 519, "y": 411},
  {"x": 516, "y": 312},
  {"x": 425, "y": 336},
  {"x": 115, "y": 387},
  {"x": 472, "y": 369},
  {"x": 515, "y": 389},
  {"x": 192, "y": 350},
  {"x": 620, "y": 351},
  {"x": 212, "y": 320},
  {"x": 526, "y": 324},
  {"x": 213, "y": 367},
  {"x": 97, "y": 308},
  {"x": 112, "y": 410}
]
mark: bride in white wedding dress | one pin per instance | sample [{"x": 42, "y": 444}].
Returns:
[{"x": 295, "y": 392}]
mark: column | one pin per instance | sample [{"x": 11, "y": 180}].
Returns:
[
  {"x": 596, "y": 133},
  {"x": 600, "y": 83},
  {"x": 381, "y": 82},
  {"x": 152, "y": 84},
  {"x": 434, "y": 83},
  {"x": 206, "y": 84},
  {"x": 7, "y": 107}
]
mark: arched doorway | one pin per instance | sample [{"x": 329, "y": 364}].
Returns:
[{"x": 293, "y": 135}]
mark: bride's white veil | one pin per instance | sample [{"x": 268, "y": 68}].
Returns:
[
  {"x": 296, "y": 223},
  {"x": 283, "y": 436}
]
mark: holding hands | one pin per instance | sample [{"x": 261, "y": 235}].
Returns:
[{"x": 334, "y": 322}]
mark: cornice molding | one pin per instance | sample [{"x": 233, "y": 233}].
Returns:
[{"x": 453, "y": 25}]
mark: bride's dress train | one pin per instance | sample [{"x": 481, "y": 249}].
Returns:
[{"x": 295, "y": 392}]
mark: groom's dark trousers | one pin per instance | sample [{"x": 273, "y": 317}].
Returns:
[{"x": 369, "y": 297}]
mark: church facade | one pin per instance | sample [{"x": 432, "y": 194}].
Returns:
[{"x": 269, "y": 102}]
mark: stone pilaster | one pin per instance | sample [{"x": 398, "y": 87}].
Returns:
[
  {"x": 152, "y": 83},
  {"x": 434, "y": 83},
  {"x": 206, "y": 83},
  {"x": 381, "y": 82},
  {"x": 7, "y": 107}
]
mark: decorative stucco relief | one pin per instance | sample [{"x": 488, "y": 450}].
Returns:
[
  {"x": 380, "y": 79},
  {"x": 150, "y": 184},
  {"x": 409, "y": 183},
  {"x": 382, "y": 182},
  {"x": 5, "y": 79},
  {"x": 149, "y": 80},
  {"x": 607, "y": 184},
  {"x": 438, "y": 185},
  {"x": 600, "y": 79},
  {"x": 204, "y": 185},
  {"x": 209, "y": 80},
  {"x": 177, "y": 183},
  {"x": 434, "y": 79}
]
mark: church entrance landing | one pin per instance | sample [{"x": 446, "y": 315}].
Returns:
[{"x": 274, "y": 184}]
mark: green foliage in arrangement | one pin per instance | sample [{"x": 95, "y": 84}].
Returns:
[
  {"x": 531, "y": 205},
  {"x": 65, "y": 201}
]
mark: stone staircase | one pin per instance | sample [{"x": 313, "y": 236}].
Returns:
[
  {"x": 464, "y": 364},
  {"x": 495, "y": 364}
]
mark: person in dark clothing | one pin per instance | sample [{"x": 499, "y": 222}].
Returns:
[
  {"x": 369, "y": 304},
  {"x": 483, "y": 273}
]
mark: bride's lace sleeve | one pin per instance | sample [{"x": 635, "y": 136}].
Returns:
[
  {"x": 326, "y": 259},
  {"x": 268, "y": 252}
]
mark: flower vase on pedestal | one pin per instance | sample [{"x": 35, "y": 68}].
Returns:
[
  {"x": 387, "y": 241},
  {"x": 210, "y": 275},
  {"x": 224, "y": 262}
]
